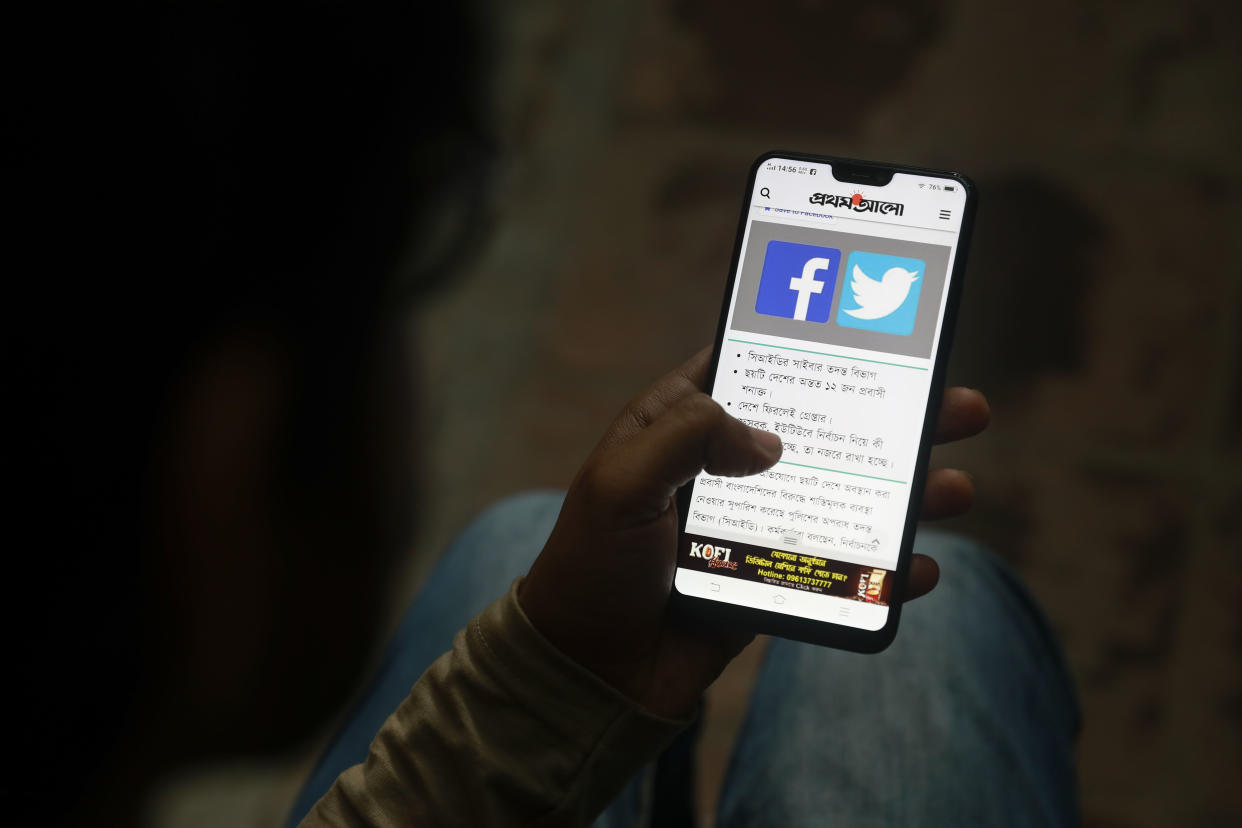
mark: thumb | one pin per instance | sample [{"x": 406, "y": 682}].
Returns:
[{"x": 694, "y": 435}]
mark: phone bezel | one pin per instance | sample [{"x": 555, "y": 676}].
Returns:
[{"x": 827, "y": 633}]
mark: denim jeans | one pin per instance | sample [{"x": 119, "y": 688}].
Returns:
[{"x": 969, "y": 718}]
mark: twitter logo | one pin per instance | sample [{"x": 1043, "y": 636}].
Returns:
[{"x": 881, "y": 293}]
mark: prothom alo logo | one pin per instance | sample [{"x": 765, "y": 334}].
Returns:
[{"x": 858, "y": 203}]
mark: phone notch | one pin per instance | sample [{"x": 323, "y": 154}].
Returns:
[{"x": 869, "y": 174}]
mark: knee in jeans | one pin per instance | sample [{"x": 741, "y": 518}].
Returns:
[
  {"x": 968, "y": 570},
  {"x": 979, "y": 596},
  {"x": 510, "y": 533}
]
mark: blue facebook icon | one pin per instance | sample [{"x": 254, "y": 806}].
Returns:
[{"x": 797, "y": 281}]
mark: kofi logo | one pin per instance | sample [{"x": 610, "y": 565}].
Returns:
[
  {"x": 797, "y": 281},
  {"x": 717, "y": 557},
  {"x": 882, "y": 293}
]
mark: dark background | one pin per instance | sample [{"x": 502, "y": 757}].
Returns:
[{"x": 1100, "y": 313}]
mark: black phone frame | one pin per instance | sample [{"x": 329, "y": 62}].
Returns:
[{"x": 702, "y": 610}]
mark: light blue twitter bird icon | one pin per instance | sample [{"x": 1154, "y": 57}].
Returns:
[{"x": 881, "y": 293}]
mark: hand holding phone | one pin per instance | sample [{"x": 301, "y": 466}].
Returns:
[
  {"x": 601, "y": 589},
  {"x": 834, "y": 334}
]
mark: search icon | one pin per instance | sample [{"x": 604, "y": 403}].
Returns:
[{"x": 765, "y": 192}]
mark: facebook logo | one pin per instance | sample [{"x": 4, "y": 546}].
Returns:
[{"x": 797, "y": 281}]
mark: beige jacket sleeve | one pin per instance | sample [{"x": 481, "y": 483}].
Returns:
[{"x": 502, "y": 730}]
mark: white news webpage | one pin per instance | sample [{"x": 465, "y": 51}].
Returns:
[{"x": 846, "y": 392}]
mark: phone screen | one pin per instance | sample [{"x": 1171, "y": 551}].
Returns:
[{"x": 829, "y": 340}]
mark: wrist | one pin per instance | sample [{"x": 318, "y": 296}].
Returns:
[{"x": 633, "y": 677}]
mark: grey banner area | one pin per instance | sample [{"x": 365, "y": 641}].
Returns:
[{"x": 917, "y": 344}]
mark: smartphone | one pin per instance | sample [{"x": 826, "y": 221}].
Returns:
[{"x": 834, "y": 334}]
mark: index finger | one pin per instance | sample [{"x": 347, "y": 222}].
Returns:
[
  {"x": 964, "y": 412},
  {"x": 670, "y": 389}
]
